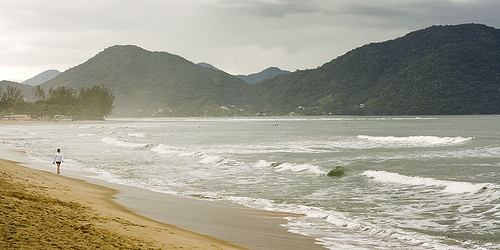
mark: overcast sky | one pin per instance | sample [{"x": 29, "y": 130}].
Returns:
[{"x": 237, "y": 36}]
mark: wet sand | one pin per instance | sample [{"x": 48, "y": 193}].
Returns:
[{"x": 247, "y": 227}]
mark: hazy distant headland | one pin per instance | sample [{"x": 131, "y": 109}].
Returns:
[
  {"x": 440, "y": 70},
  {"x": 255, "y": 77},
  {"x": 42, "y": 77}
]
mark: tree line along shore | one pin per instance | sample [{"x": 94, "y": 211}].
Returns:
[{"x": 93, "y": 103}]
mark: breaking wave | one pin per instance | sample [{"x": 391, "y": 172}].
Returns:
[
  {"x": 415, "y": 141},
  {"x": 120, "y": 143},
  {"x": 281, "y": 167},
  {"x": 448, "y": 186},
  {"x": 163, "y": 149},
  {"x": 315, "y": 217}
]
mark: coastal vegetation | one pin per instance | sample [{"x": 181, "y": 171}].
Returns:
[
  {"x": 440, "y": 70},
  {"x": 93, "y": 103}
]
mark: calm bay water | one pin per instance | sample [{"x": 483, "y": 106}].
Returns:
[{"x": 413, "y": 183}]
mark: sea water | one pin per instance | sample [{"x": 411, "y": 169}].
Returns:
[{"x": 406, "y": 182}]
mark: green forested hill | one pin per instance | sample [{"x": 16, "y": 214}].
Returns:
[
  {"x": 438, "y": 70},
  {"x": 145, "y": 82},
  {"x": 448, "y": 70}
]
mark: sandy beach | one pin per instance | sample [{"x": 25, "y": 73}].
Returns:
[{"x": 41, "y": 210}]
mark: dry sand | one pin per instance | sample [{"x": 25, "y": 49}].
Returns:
[{"x": 41, "y": 210}]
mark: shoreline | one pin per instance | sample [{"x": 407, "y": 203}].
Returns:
[
  {"x": 98, "y": 216},
  {"x": 199, "y": 223}
]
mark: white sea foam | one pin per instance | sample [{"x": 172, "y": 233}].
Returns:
[
  {"x": 161, "y": 149},
  {"x": 262, "y": 164},
  {"x": 87, "y": 135},
  {"x": 208, "y": 159},
  {"x": 317, "y": 221},
  {"x": 121, "y": 143},
  {"x": 90, "y": 127},
  {"x": 301, "y": 167},
  {"x": 448, "y": 186},
  {"x": 140, "y": 135},
  {"x": 280, "y": 167},
  {"x": 415, "y": 141}
]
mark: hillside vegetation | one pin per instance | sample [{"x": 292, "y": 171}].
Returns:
[{"x": 438, "y": 70}]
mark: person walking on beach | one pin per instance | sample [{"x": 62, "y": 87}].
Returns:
[{"x": 58, "y": 158}]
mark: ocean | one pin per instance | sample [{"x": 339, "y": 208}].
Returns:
[{"x": 428, "y": 182}]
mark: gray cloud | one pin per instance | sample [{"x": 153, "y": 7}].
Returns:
[
  {"x": 277, "y": 8},
  {"x": 239, "y": 36}
]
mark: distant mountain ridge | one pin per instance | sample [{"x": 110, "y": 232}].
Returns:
[
  {"x": 256, "y": 77},
  {"x": 440, "y": 70},
  {"x": 42, "y": 77},
  {"x": 263, "y": 75},
  {"x": 207, "y": 65}
]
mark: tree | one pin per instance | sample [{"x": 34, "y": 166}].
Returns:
[
  {"x": 12, "y": 100},
  {"x": 13, "y": 94},
  {"x": 62, "y": 101},
  {"x": 95, "y": 103},
  {"x": 39, "y": 93},
  {"x": 62, "y": 95}
]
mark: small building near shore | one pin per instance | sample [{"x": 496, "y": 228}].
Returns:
[{"x": 17, "y": 118}]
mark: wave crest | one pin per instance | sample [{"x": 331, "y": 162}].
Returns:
[
  {"x": 120, "y": 143},
  {"x": 280, "y": 167},
  {"x": 448, "y": 186},
  {"x": 415, "y": 141}
]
